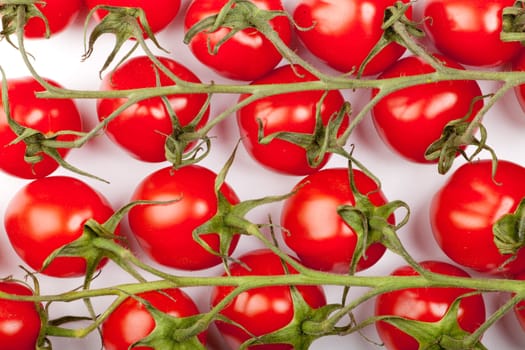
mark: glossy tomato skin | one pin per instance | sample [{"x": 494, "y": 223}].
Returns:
[
  {"x": 314, "y": 230},
  {"x": 131, "y": 321},
  {"x": 45, "y": 115},
  {"x": 59, "y": 14},
  {"x": 469, "y": 31},
  {"x": 427, "y": 305},
  {"x": 343, "y": 32},
  {"x": 159, "y": 13},
  {"x": 411, "y": 119},
  {"x": 292, "y": 112},
  {"x": 142, "y": 128},
  {"x": 19, "y": 320},
  {"x": 164, "y": 231},
  {"x": 465, "y": 209},
  {"x": 48, "y": 213},
  {"x": 248, "y": 55},
  {"x": 261, "y": 310}
]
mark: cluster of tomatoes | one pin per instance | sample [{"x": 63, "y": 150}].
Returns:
[{"x": 476, "y": 217}]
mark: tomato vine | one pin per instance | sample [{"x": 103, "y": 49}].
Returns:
[{"x": 369, "y": 222}]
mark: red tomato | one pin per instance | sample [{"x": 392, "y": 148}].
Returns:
[
  {"x": 343, "y": 32},
  {"x": 314, "y": 230},
  {"x": 142, "y": 128},
  {"x": 45, "y": 115},
  {"x": 59, "y": 14},
  {"x": 469, "y": 31},
  {"x": 426, "y": 305},
  {"x": 19, "y": 320},
  {"x": 248, "y": 55},
  {"x": 465, "y": 209},
  {"x": 411, "y": 119},
  {"x": 519, "y": 309},
  {"x": 131, "y": 321},
  {"x": 291, "y": 112},
  {"x": 159, "y": 13},
  {"x": 49, "y": 213},
  {"x": 165, "y": 231},
  {"x": 262, "y": 310}
]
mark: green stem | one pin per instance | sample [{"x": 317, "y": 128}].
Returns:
[
  {"x": 311, "y": 277},
  {"x": 474, "y": 337}
]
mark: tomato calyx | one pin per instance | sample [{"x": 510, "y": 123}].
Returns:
[
  {"x": 513, "y": 25},
  {"x": 445, "y": 334},
  {"x": 38, "y": 143},
  {"x": 15, "y": 15},
  {"x": 302, "y": 330},
  {"x": 100, "y": 241},
  {"x": 170, "y": 332},
  {"x": 456, "y": 135},
  {"x": 229, "y": 220},
  {"x": 509, "y": 231},
  {"x": 180, "y": 148},
  {"x": 395, "y": 18},
  {"x": 237, "y": 15},
  {"x": 371, "y": 225},
  {"x": 125, "y": 23},
  {"x": 324, "y": 139}
]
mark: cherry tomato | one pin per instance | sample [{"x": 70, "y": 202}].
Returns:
[
  {"x": 261, "y": 310},
  {"x": 131, "y": 321},
  {"x": 465, "y": 209},
  {"x": 469, "y": 31},
  {"x": 291, "y": 112},
  {"x": 314, "y": 230},
  {"x": 49, "y": 213},
  {"x": 343, "y": 32},
  {"x": 45, "y": 115},
  {"x": 159, "y": 13},
  {"x": 248, "y": 55},
  {"x": 165, "y": 230},
  {"x": 142, "y": 128},
  {"x": 59, "y": 14},
  {"x": 426, "y": 305},
  {"x": 19, "y": 320},
  {"x": 409, "y": 120}
]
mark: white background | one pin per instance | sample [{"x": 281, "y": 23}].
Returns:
[{"x": 60, "y": 59}]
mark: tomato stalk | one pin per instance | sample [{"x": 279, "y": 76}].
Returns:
[{"x": 232, "y": 219}]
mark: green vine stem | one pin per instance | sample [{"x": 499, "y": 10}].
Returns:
[{"x": 376, "y": 285}]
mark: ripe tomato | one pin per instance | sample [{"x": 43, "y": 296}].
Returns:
[
  {"x": 465, "y": 209},
  {"x": 159, "y": 13},
  {"x": 131, "y": 321},
  {"x": 314, "y": 230},
  {"x": 343, "y": 32},
  {"x": 426, "y": 305},
  {"x": 45, "y": 115},
  {"x": 49, "y": 213},
  {"x": 142, "y": 128},
  {"x": 19, "y": 320},
  {"x": 291, "y": 112},
  {"x": 248, "y": 55},
  {"x": 411, "y": 119},
  {"x": 164, "y": 231},
  {"x": 469, "y": 31},
  {"x": 59, "y": 14},
  {"x": 262, "y": 310}
]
